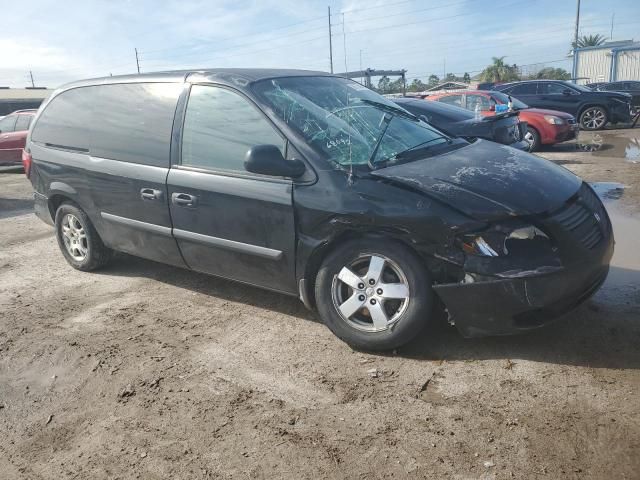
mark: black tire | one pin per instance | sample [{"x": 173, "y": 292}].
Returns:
[
  {"x": 593, "y": 118},
  {"x": 97, "y": 255},
  {"x": 534, "y": 143},
  {"x": 411, "y": 318}
]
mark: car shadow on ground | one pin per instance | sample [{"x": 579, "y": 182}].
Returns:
[
  {"x": 130, "y": 266},
  {"x": 602, "y": 333},
  {"x": 12, "y": 207}
]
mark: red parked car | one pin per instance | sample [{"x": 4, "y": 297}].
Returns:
[
  {"x": 13, "y": 135},
  {"x": 545, "y": 127}
]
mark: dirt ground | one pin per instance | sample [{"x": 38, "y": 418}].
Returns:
[{"x": 148, "y": 371}]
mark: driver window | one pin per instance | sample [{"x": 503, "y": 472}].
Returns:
[{"x": 220, "y": 126}]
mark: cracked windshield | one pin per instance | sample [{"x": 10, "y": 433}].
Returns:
[{"x": 346, "y": 122}]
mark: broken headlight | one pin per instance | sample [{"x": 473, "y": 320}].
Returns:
[{"x": 502, "y": 240}]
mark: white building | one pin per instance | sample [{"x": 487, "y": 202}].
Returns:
[{"x": 609, "y": 62}]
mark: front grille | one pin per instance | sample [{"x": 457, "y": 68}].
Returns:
[{"x": 585, "y": 219}]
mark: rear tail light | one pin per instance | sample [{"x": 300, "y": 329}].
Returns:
[{"x": 26, "y": 162}]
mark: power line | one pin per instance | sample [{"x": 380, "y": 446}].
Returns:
[{"x": 387, "y": 27}]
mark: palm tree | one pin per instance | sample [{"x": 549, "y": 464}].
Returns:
[
  {"x": 589, "y": 41},
  {"x": 499, "y": 71}
]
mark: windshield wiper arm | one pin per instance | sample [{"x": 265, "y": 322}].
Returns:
[
  {"x": 387, "y": 121},
  {"x": 390, "y": 109},
  {"x": 419, "y": 146}
]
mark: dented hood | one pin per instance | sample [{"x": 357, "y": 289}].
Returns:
[{"x": 486, "y": 180}]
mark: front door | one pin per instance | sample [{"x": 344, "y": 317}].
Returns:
[
  {"x": 557, "y": 96},
  {"x": 227, "y": 221}
]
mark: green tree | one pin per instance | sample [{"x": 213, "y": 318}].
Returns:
[
  {"x": 466, "y": 78},
  {"x": 383, "y": 84},
  {"x": 550, "y": 73},
  {"x": 499, "y": 71},
  {"x": 451, "y": 77},
  {"x": 588, "y": 41},
  {"x": 396, "y": 86},
  {"x": 433, "y": 80},
  {"x": 417, "y": 85}
]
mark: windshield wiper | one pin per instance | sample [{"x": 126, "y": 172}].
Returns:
[
  {"x": 387, "y": 121},
  {"x": 409, "y": 151},
  {"x": 390, "y": 109}
]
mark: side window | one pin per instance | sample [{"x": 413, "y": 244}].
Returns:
[
  {"x": 524, "y": 89},
  {"x": 473, "y": 100},
  {"x": 132, "y": 122},
  {"x": 7, "y": 124},
  {"x": 66, "y": 120},
  {"x": 452, "y": 100},
  {"x": 23, "y": 122},
  {"x": 553, "y": 88},
  {"x": 220, "y": 126}
]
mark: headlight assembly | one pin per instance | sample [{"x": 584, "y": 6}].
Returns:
[
  {"x": 499, "y": 240},
  {"x": 553, "y": 120}
]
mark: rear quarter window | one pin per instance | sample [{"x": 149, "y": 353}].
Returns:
[
  {"x": 66, "y": 120},
  {"x": 130, "y": 122}
]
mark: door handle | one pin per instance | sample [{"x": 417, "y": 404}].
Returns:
[
  {"x": 150, "y": 194},
  {"x": 184, "y": 199}
]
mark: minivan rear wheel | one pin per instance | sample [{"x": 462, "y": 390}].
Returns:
[
  {"x": 374, "y": 294},
  {"x": 78, "y": 240}
]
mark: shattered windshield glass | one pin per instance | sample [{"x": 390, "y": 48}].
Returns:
[{"x": 345, "y": 121}]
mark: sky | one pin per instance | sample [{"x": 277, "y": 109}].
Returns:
[{"x": 62, "y": 41}]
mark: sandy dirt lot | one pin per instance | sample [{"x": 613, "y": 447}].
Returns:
[{"x": 148, "y": 371}]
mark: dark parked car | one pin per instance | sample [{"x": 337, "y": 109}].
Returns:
[
  {"x": 314, "y": 186},
  {"x": 628, "y": 86},
  {"x": 13, "y": 135},
  {"x": 459, "y": 122},
  {"x": 593, "y": 109}
]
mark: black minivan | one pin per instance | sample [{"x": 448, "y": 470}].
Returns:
[{"x": 312, "y": 185}]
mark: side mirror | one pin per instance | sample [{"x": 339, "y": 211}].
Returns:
[
  {"x": 492, "y": 108},
  {"x": 566, "y": 91},
  {"x": 268, "y": 160}
]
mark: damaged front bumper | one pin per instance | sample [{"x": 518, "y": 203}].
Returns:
[{"x": 503, "y": 306}]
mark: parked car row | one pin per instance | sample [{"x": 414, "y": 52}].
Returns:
[
  {"x": 593, "y": 109},
  {"x": 314, "y": 186},
  {"x": 504, "y": 128},
  {"x": 544, "y": 127}
]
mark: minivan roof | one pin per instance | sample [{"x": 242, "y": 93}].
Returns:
[{"x": 233, "y": 76}]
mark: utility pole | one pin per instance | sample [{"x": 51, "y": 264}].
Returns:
[
  {"x": 330, "y": 42},
  {"x": 32, "y": 82},
  {"x": 361, "y": 64},
  {"x": 137, "y": 60},
  {"x": 344, "y": 45},
  {"x": 575, "y": 33},
  {"x": 613, "y": 15}
]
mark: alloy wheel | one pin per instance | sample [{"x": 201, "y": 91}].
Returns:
[
  {"x": 528, "y": 137},
  {"x": 74, "y": 237},
  {"x": 593, "y": 118},
  {"x": 371, "y": 293}
]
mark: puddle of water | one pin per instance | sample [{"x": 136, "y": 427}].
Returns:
[
  {"x": 603, "y": 145},
  {"x": 625, "y": 264},
  {"x": 608, "y": 190}
]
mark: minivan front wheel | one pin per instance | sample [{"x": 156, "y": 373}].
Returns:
[
  {"x": 593, "y": 118},
  {"x": 374, "y": 294},
  {"x": 78, "y": 240}
]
